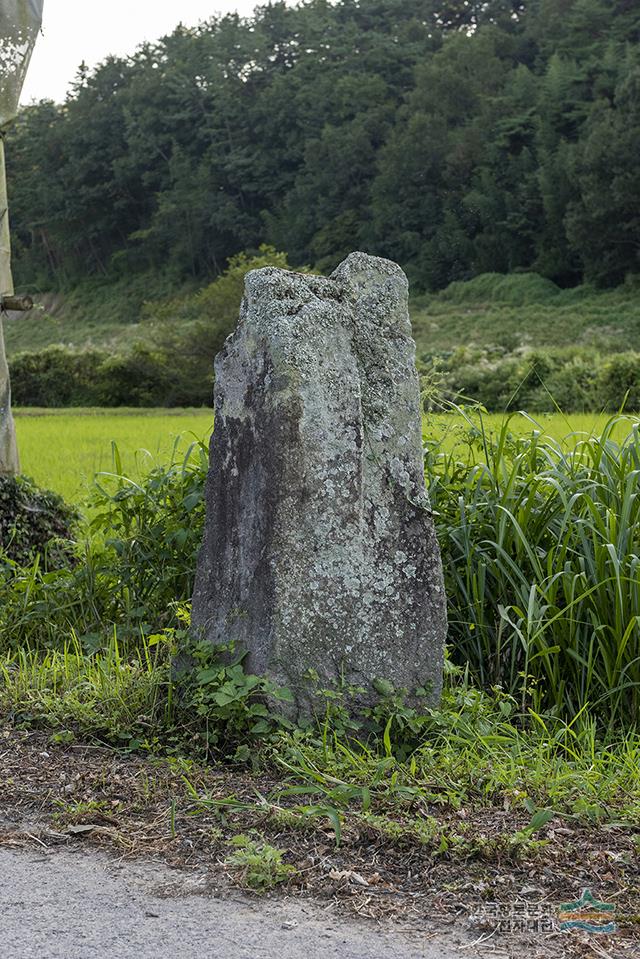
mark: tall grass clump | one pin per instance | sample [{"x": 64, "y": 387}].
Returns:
[
  {"x": 541, "y": 544},
  {"x": 115, "y": 695}
]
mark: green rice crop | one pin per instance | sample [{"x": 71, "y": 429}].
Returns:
[{"x": 62, "y": 450}]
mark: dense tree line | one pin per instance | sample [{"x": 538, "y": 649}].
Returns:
[{"x": 455, "y": 136}]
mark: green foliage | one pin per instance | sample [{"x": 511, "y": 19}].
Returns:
[
  {"x": 188, "y": 332},
  {"x": 261, "y": 864},
  {"x": 457, "y": 139},
  {"x": 570, "y": 379},
  {"x": 227, "y": 707},
  {"x": 93, "y": 312},
  {"x": 56, "y": 377},
  {"x": 540, "y": 545},
  {"x": 134, "y": 571},
  {"x": 144, "y": 376},
  {"x": 35, "y": 524},
  {"x": 215, "y": 307},
  {"x": 620, "y": 382},
  {"x": 523, "y": 310},
  {"x": 476, "y": 749},
  {"x": 172, "y": 365},
  {"x": 152, "y": 531},
  {"x": 529, "y": 345},
  {"x": 159, "y": 693},
  {"x": 117, "y": 696},
  {"x": 517, "y": 289}
]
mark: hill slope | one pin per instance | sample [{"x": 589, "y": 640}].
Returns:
[
  {"x": 516, "y": 311},
  {"x": 526, "y": 311}
]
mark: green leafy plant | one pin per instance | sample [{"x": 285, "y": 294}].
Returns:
[
  {"x": 34, "y": 523},
  {"x": 261, "y": 865},
  {"x": 229, "y": 706}
]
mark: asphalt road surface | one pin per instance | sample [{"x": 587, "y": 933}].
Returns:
[{"x": 80, "y": 905}]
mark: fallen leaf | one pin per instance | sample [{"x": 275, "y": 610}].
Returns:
[{"x": 349, "y": 875}]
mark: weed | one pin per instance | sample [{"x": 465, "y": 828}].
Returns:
[
  {"x": 261, "y": 865},
  {"x": 540, "y": 542},
  {"x": 77, "y": 812}
]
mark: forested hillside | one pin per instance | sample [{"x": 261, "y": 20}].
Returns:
[{"x": 457, "y": 137}]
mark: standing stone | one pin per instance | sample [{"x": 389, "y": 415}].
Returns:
[{"x": 320, "y": 552}]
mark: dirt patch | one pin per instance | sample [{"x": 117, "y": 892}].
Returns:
[{"x": 70, "y": 795}]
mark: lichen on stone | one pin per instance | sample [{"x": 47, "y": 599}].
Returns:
[{"x": 317, "y": 514}]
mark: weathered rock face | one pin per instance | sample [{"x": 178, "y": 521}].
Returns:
[{"x": 320, "y": 552}]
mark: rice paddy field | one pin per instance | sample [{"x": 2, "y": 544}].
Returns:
[{"x": 64, "y": 449}]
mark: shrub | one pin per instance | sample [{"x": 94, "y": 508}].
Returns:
[
  {"x": 153, "y": 532},
  {"x": 190, "y": 331},
  {"x": 34, "y": 523},
  {"x": 514, "y": 289},
  {"x": 619, "y": 383},
  {"x": 136, "y": 567},
  {"x": 145, "y": 376},
  {"x": 56, "y": 377},
  {"x": 571, "y": 379}
]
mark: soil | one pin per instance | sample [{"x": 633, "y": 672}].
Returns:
[{"x": 65, "y": 804}]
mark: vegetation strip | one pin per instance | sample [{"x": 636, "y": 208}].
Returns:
[
  {"x": 524, "y": 779},
  {"x": 390, "y": 864}
]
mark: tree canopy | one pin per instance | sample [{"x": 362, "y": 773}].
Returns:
[{"x": 454, "y": 136}]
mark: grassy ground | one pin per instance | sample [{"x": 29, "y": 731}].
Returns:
[
  {"x": 526, "y": 310},
  {"x": 512, "y": 311},
  {"x": 96, "y": 313},
  {"x": 63, "y": 449},
  {"x": 482, "y": 815},
  {"x": 487, "y": 800}
]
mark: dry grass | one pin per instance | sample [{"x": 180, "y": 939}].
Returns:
[{"x": 56, "y": 794}]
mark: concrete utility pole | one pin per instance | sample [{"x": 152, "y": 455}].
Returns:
[{"x": 20, "y": 21}]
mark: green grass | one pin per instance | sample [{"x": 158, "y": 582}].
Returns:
[
  {"x": 62, "y": 450},
  {"x": 540, "y": 547},
  {"x": 539, "y": 532},
  {"x": 477, "y": 749},
  {"x": 526, "y": 310},
  {"x": 97, "y": 312},
  {"x": 538, "y": 528},
  {"x": 107, "y": 695},
  {"x": 461, "y": 430}
]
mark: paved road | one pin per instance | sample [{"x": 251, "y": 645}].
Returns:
[{"x": 80, "y": 905}]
